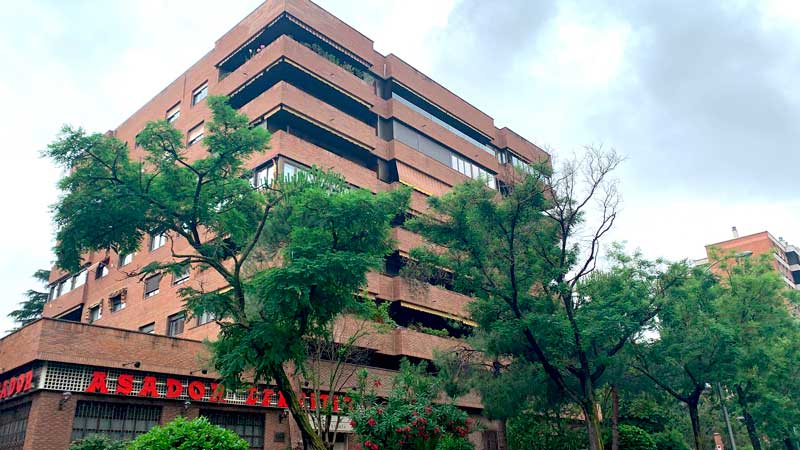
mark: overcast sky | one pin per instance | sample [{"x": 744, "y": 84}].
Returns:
[{"x": 701, "y": 97}]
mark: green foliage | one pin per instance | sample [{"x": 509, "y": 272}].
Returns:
[
  {"x": 694, "y": 345},
  {"x": 316, "y": 48},
  {"x": 31, "y": 309},
  {"x": 197, "y": 434},
  {"x": 428, "y": 330},
  {"x": 454, "y": 443},
  {"x": 765, "y": 345},
  {"x": 535, "y": 299},
  {"x": 292, "y": 256},
  {"x": 530, "y": 430},
  {"x": 670, "y": 439},
  {"x": 327, "y": 241},
  {"x": 634, "y": 438},
  {"x": 411, "y": 417},
  {"x": 97, "y": 442}
]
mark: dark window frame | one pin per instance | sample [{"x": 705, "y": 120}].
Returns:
[
  {"x": 202, "y": 89},
  {"x": 152, "y": 292},
  {"x": 176, "y": 324},
  {"x": 118, "y": 421}
]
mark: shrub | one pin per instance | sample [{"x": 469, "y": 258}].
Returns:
[
  {"x": 411, "y": 418},
  {"x": 670, "y": 440},
  {"x": 197, "y": 434},
  {"x": 97, "y": 442},
  {"x": 452, "y": 443},
  {"x": 633, "y": 438}
]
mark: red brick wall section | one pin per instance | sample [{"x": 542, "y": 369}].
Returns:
[
  {"x": 54, "y": 340},
  {"x": 48, "y": 427},
  {"x": 20, "y": 347}
]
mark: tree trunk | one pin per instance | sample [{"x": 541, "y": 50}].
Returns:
[
  {"x": 789, "y": 444},
  {"x": 749, "y": 422},
  {"x": 694, "y": 415},
  {"x": 311, "y": 440},
  {"x": 615, "y": 418},
  {"x": 592, "y": 419}
]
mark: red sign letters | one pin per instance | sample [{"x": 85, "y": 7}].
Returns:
[
  {"x": 16, "y": 385},
  {"x": 198, "y": 391}
]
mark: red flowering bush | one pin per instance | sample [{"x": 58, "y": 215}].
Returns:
[{"x": 410, "y": 417}]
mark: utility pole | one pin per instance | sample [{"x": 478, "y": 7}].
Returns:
[{"x": 727, "y": 418}]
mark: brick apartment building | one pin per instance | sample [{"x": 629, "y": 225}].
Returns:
[
  {"x": 116, "y": 355},
  {"x": 786, "y": 256}
]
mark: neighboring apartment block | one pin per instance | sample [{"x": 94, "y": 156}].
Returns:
[
  {"x": 786, "y": 256},
  {"x": 330, "y": 100}
]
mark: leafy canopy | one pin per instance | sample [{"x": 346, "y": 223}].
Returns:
[
  {"x": 529, "y": 260},
  {"x": 31, "y": 308},
  {"x": 411, "y": 416},
  {"x": 291, "y": 256},
  {"x": 197, "y": 434},
  {"x": 97, "y": 442}
]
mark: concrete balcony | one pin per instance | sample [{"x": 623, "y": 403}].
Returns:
[
  {"x": 286, "y": 49},
  {"x": 293, "y": 147},
  {"x": 427, "y": 298},
  {"x": 309, "y": 108}
]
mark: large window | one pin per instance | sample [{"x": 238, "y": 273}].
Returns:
[
  {"x": 95, "y": 313},
  {"x": 199, "y": 94},
  {"x": 175, "y": 324},
  {"x": 13, "y": 422},
  {"x": 204, "y": 318},
  {"x": 445, "y": 125},
  {"x": 196, "y": 134},
  {"x": 151, "y": 285},
  {"x": 79, "y": 279},
  {"x": 157, "y": 241},
  {"x": 101, "y": 270},
  {"x": 263, "y": 176},
  {"x": 249, "y": 426},
  {"x": 125, "y": 259},
  {"x": 173, "y": 113},
  {"x": 472, "y": 170},
  {"x": 116, "y": 303},
  {"x": 439, "y": 152},
  {"x": 118, "y": 421},
  {"x": 182, "y": 275}
]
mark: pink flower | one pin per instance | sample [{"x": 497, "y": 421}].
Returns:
[
  {"x": 371, "y": 422},
  {"x": 352, "y": 423}
]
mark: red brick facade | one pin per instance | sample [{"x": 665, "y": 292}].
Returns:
[{"x": 313, "y": 73}]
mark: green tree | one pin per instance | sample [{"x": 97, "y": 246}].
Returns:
[
  {"x": 411, "y": 417},
  {"x": 634, "y": 438},
  {"x": 292, "y": 255},
  {"x": 670, "y": 439},
  {"x": 97, "y": 442},
  {"x": 527, "y": 261},
  {"x": 754, "y": 306},
  {"x": 31, "y": 309},
  {"x": 197, "y": 434},
  {"x": 692, "y": 346},
  {"x": 532, "y": 430},
  {"x": 334, "y": 360}
]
